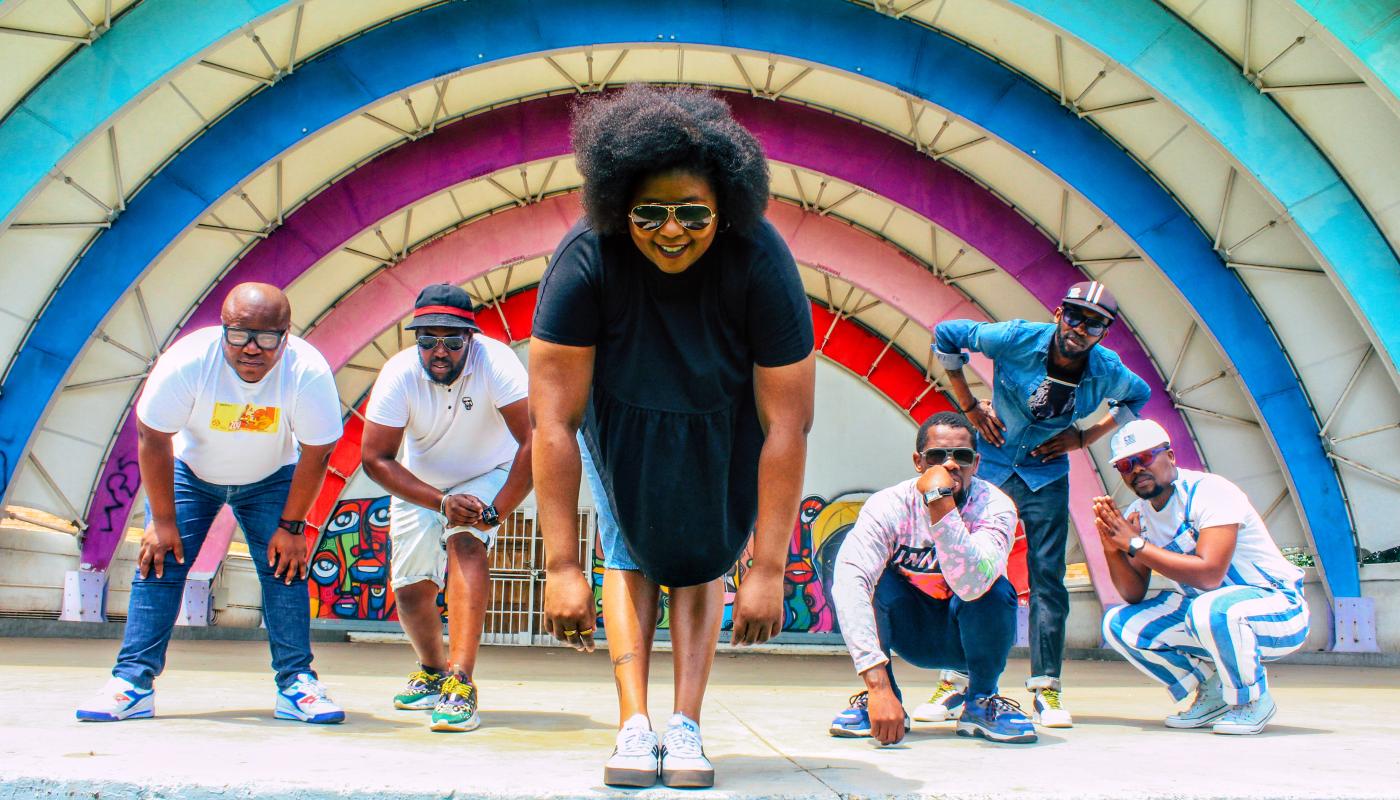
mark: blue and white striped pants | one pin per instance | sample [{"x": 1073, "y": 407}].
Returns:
[{"x": 1179, "y": 641}]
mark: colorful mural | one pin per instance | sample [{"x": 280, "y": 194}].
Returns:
[
  {"x": 349, "y": 572},
  {"x": 820, "y": 529}
]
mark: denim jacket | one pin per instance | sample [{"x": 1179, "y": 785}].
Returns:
[{"x": 1018, "y": 350}]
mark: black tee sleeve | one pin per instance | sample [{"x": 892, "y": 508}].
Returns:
[
  {"x": 569, "y": 307},
  {"x": 779, "y": 315}
]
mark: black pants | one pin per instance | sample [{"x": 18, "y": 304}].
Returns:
[{"x": 1045, "y": 516}]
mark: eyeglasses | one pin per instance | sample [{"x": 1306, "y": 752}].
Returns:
[
  {"x": 1074, "y": 318},
  {"x": 964, "y": 456},
  {"x": 265, "y": 340},
  {"x": 1125, "y": 466},
  {"x": 453, "y": 343},
  {"x": 691, "y": 216}
]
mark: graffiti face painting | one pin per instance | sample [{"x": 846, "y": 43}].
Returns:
[{"x": 350, "y": 569}]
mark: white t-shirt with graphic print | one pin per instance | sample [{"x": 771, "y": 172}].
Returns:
[
  {"x": 231, "y": 432},
  {"x": 456, "y": 432}
]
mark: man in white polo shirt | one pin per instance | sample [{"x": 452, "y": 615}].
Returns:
[
  {"x": 243, "y": 414},
  {"x": 456, "y": 403}
]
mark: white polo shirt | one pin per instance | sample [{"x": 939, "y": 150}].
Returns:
[
  {"x": 231, "y": 432},
  {"x": 455, "y": 432}
]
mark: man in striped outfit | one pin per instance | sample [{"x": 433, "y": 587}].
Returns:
[{"x": 1235, "y": 603}]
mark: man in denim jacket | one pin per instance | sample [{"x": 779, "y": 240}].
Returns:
[{"x": 1046, "y": 377}]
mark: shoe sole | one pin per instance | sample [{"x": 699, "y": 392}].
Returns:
[
  {"x": 970, "y": 729},
  {"x": 444, "y": 726},
  {"x": 427, "y": 704},
  {"x": 933, "y": 717},
  {"x": 688, "y": 778},
  {"x": 632, "y": 778},
  {"x": 847, "y": 733},
  {"x": 98, "y": 716},
  {"x": 322, "y": 719},
  {"x": 1182, "y": 725},
  {"x": 1036, "y": 720},
  {"x": 1241, "y": 730}
]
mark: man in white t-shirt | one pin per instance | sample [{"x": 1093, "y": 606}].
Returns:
[
  {"x": 456, "y": 404},
  {"x": 1236, "y": 601},
  {"x": 244, "y": 415}
]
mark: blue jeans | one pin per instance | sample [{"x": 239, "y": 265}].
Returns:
[
  {"x": 155, "y": 602},
  {"x": 971, "y": 636},
  {"x": 615, "y": 552},
  {"x": 1045, "y": 515}
]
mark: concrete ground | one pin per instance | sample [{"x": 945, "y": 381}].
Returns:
[{"x": 549, "y": 718}]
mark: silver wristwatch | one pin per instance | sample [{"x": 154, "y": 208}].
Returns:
[
  {"x": 937, "y": 493},
  {"x": 1135, "y": 545}
]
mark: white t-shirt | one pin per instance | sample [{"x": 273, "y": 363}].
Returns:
[
  {"x": 231, "y": 432},
  {"x": 451, "y": 433},
  {"x": 1216, "y": 501}
]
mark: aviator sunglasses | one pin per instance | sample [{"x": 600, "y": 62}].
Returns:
[
  {"x": 1074, "y": 318},
  {"x": 453, "y": 343},
  {"x": 964, "y": 456},
  {"x": 1125, "y": 466},
  {"x": 265, "y": 340},
  {"x": 691, "y": 216}
]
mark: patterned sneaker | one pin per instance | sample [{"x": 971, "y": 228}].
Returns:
[
  {"x": 455, "y": 711},
  {"x": 1205, "y": 709},
  {"x": 854, "y": 722},
  {"x": 306, "y": 701},
  {"x": 636, "y": 758},
  {"x": 117, "y": 700},
  {"x": 1050, "y": 711},
  {"x": 946, "y": 699},
  {"x": 683, "y": 762},
  {"x": 422, "y": 691},
  {"x": 1247, "y": 719},
  {"x": 998, "y": 719}
]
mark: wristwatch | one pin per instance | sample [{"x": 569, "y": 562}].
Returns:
[
  {"x": 937, "y": 493},
  {"x": 295, "y": 527},
  {"x": 1135, "y": 545},
  {"x": 491, "y": 516}
]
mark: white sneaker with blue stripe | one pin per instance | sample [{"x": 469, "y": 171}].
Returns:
[
  {"x": 119, "y": 699},
  {"x": 306, "y": 701}
]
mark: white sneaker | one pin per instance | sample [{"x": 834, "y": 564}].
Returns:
[
  {"x": 635, "y": 757},
  {"x": 306, "y": 701},
  {"x": 946, "y": 699},
  {"x": 117, "y": 700},
  {"x": 683, "y": 762},
  {"x": 1247, "y": 719},
  {"x": 1206, "y": 708},
  {"x": 1050, "y": 711}
]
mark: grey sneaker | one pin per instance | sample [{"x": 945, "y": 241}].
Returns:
[
  {"x": 1208, "y": 706},
  {"x": 1247, "y": 719}
]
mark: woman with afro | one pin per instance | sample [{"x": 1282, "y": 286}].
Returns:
[{"x": 673, "y": 334}]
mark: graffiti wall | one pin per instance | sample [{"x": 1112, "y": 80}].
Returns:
[
  {"x": 820, "y": 529},
  {"x": 349, "y": 573}
]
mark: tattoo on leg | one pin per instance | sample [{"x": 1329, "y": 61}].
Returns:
[{"x": 625, "y": 658}]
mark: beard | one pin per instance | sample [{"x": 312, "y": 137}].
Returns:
[
  {"x": 454, "y": 372},
  {"x": 1063, "y": 346},
  {"x": 1152, "y": 491}
]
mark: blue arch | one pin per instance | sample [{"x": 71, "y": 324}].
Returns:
[
  {"x": 446, "y": 39},
  {"x": 1370, "y": 29}
]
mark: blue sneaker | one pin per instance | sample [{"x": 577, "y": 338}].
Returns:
[
  {"x": 1247, "y": 719},
  {"x": 306, "y": 701},
  {"x": 117, "y": 700},
  {"x": 997, "y": 718},
  {"x": 854, "y": 722}
]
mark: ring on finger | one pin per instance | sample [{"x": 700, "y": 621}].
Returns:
[
  {"x": 571, "y": 633},
  {"x": 586, "y": 631}
]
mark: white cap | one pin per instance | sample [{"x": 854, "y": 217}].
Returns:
[{"x": 1137, "y": 436}]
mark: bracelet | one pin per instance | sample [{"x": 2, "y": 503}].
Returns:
[
  {"x": 1081, "y": 438},
  {"x": 442, "y": 504},
  {"x": 970, "y": 406}
]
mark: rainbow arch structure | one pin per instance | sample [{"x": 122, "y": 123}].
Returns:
[{"x": 1198, "y": 178}]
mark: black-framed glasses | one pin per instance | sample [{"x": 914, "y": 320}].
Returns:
[
  {"x": 265, "y": 340},
  {"x": 453, "y": 343},
  {"x": 1093, "y": 326},
  {"x": 1125, "y": 466},
  {"x": 963, "y": 456},
  {"x": 691, "y": 216}
]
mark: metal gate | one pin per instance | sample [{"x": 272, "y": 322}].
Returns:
[{"x": 516, "y": 612}]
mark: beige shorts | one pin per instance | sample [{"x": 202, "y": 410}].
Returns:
[{"x": 418, "y": 536}]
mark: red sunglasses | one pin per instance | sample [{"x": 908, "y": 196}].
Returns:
[{"x": 1125, "y": 466}]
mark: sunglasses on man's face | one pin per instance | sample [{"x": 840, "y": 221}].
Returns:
[
  {"x": 964, "y": 456},
  {"x": 1092, "y": 326},
  {"x": 453, "y": 343},
  {"x": 691, "y": 216},
  {"x": 1125, "y": 466},
  {"x": 265, "y": 340}
]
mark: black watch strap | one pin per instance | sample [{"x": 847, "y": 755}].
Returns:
[
  {"x": 491, "y": 516},
  {"x": 297, "y": 526}
]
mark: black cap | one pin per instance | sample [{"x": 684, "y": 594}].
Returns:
[
  {"x": 443, "y": 305},
  {"x": 1093, "y": 296}
]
